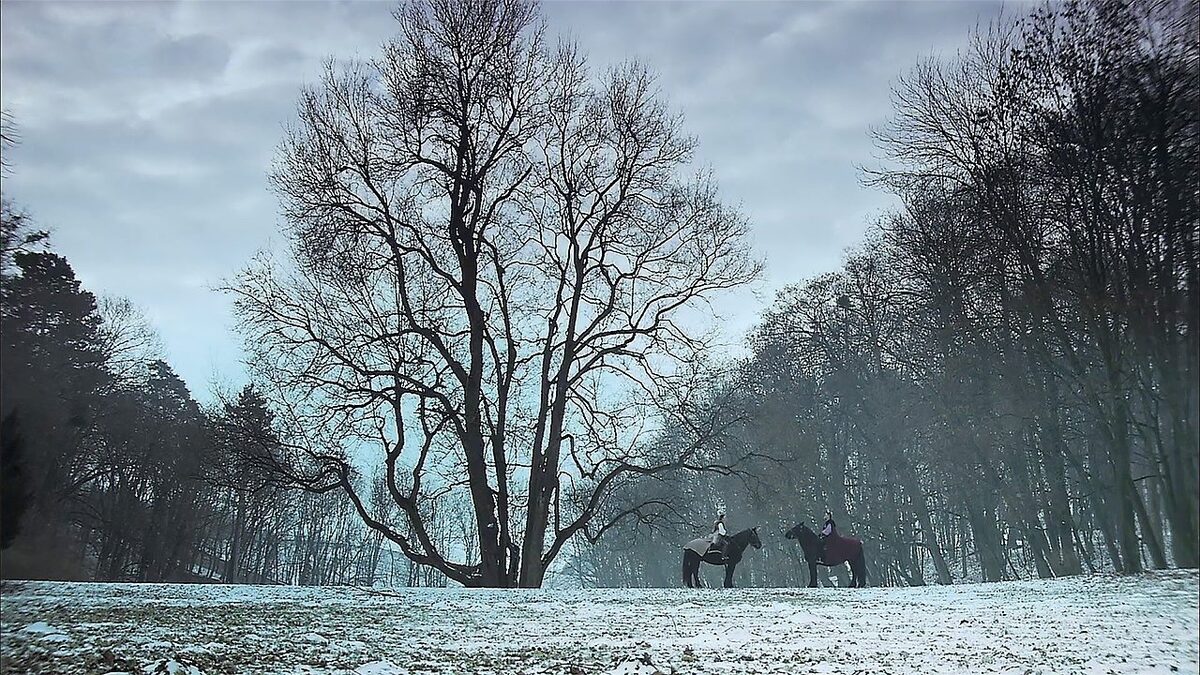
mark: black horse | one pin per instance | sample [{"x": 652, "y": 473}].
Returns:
[
  {"x": 839, "y": 550},
  {"x": 733, "y": 555}
]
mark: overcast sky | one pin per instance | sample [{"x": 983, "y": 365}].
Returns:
[{"x": 146, "y": 128}]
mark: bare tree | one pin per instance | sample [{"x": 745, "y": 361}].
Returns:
[
  {"x": 498, "y": 282},
  {"x": 8, "y": 139},
  {"x": 129, "y": 339}
]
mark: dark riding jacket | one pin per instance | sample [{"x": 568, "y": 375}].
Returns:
[{"x": 829, "y": 529}]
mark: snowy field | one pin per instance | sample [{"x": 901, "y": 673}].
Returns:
[{"x": 1083, "y": 625}]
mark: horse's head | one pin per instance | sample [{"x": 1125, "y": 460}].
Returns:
[
  {"x": 754, "y": 540},
  {"x": 801, "y": 533}
]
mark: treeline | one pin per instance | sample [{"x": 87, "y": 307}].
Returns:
[
  {"x": 1002, "y": 382},
  {"x": 112, "y": 471}
]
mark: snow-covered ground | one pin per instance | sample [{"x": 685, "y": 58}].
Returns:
[{"x": 1098, "y": 625}]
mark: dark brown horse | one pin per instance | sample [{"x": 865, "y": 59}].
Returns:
[
  {"x": 733, "y": 555},
  {"x": 835, "y": 550}
]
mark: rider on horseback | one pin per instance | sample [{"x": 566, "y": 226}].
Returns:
[{"x": 719, "y": 538}]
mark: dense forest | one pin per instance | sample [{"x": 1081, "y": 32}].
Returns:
[
  {"x": 112, "y": 471},
  {"x": 1001, "y": 381},
  {"x": 477, "y": 354}
]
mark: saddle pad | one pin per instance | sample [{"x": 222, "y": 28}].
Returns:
[
  {"x": 700, "y": 546},
  {"x": 839, "y": 549}
]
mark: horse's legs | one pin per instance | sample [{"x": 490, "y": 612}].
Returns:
[
  {"x": 853, "y": 573},
  {"x": 861, "y": 563},
  {"x": 812, "y": 575},
  {"x": 729, "y": 575}
]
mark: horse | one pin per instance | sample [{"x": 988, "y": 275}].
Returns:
[
  {"x": 736, "y": 546},
  {"x": 840, "y": 550}
]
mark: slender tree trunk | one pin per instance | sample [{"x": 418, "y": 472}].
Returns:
[
  {"x": 1150, "y": 534},
  {"x": 235, "y": 539},
  {"x": 928, "y": 533}
]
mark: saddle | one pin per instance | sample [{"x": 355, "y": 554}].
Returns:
[{"x": 703, "y": 547}]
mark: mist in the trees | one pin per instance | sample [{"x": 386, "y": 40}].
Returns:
[
  {"x": 482, "y": 350},
  {"x": 1002, "y": 382}
]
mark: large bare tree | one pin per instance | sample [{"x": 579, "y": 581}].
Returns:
[{"x": 497, "y": 285}]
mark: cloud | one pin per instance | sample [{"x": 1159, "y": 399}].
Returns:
[
  {"x": 191, "y": 57},
  {"x": 148, "y": 128}
]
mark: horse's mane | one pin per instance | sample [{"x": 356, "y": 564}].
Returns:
[
  {"x": 806, "y": 536},
  {"x": 744, "y": 534}
]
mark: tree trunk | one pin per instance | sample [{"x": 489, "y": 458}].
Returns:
[{"x": 928, "y": 533}]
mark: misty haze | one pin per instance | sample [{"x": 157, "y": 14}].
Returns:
[{"x": 579, "y": 336}]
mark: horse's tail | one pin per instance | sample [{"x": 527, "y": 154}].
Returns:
[
  {"x": 861, "y": 561},
  {"x": 685, "y": 568}
]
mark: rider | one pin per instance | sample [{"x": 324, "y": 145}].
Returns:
[
  {"x": 829, "y": 530},
  {"x": 719, "y": 537}
]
